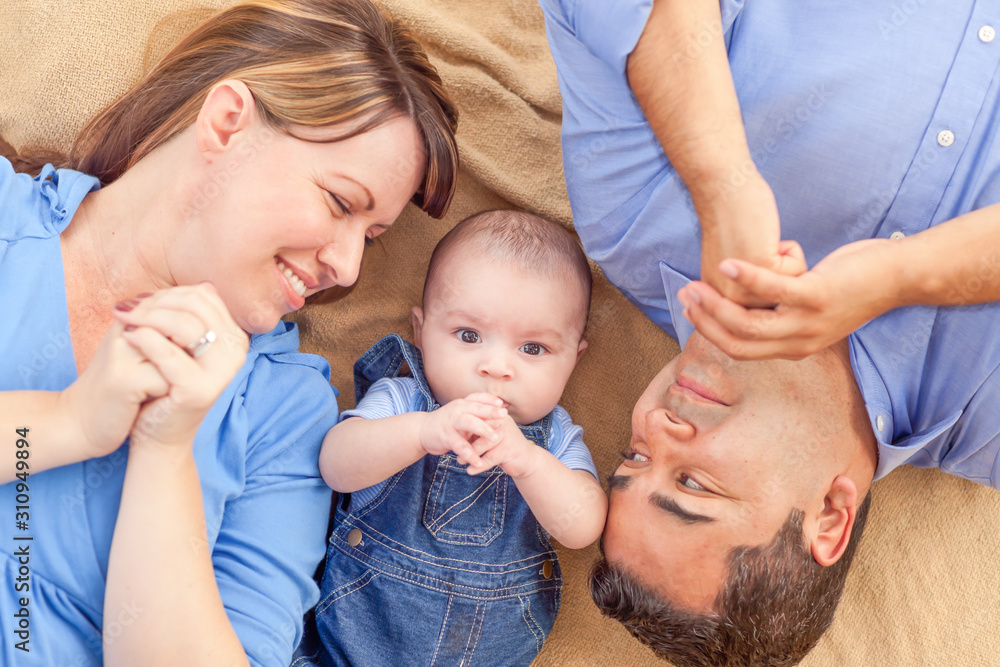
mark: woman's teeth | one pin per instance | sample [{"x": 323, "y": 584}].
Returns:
[{"x": 296, "y": 282}]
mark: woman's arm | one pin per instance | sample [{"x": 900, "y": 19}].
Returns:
[
  {"x": 160, "y": 562},
  {"x": 89, "y": 419},
  {"x": 951, "y": 264}
]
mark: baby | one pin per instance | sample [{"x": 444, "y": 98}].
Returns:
[{"x": 459, "y": 470}]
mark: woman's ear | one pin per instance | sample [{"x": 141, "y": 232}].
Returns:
[
  {"x": 835, "y": 521},
  {"x": 418, "y": 324},
  {"x": 227, "y": 111}
]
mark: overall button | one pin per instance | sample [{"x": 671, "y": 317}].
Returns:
[
  {"x": 946, "y": 138},
  {"x": 354, "y": 537},
  {"x": 987, "y": 33},
  {"x": 547, "y": 569},
  {"x": 895, "y": 236}
]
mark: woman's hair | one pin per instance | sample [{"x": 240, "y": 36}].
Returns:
[{"x": 311, "y": 63}]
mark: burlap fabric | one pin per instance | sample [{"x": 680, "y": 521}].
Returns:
[{"x": 925, "y": 587}]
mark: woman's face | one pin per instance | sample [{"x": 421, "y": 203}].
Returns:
[{"x": 279, "y": 218}]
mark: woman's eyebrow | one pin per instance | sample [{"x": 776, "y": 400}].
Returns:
[{"x": 371, "y": 200}]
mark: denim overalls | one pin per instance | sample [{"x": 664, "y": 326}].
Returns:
[{"x": 441, "y": 568}]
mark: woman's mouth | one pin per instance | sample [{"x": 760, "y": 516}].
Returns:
[{"x": 294, "y": 280}]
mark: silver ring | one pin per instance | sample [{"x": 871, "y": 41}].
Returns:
[{"x": 200, "y": 346}]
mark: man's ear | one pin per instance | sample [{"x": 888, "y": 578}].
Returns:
[
  {"x": 835, "y": 521},
  {"x": 579, "y": 350},
  {"x": 227, "y": 110},
  {"x": 418, "y": 325}
]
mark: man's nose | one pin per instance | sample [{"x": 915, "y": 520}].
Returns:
[{"x": 662, "y": 427}]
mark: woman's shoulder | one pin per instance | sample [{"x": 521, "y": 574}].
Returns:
[
  {"x": 42, "y": 206},
  {"x": 284, "y": 379}
]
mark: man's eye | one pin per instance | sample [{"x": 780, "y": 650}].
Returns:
[
  {"x": 369, "y": 242},
  {"x": 691, "y": 484},
  {"x": 533, "y": 349},
  {"x": 634, "y": 456},
  {"x": 468, "y": 336}
]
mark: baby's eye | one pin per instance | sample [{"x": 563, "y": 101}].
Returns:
[
  {"x": 533, "y": 349},
  {"x": 691, "y": 484},
  {"x": 468, "y": 336}
]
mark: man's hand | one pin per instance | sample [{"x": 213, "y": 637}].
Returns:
[
  {"x": 851, "y": 286},
  {"x": 740, "y": 221}
]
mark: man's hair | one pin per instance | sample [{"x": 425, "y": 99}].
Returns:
[
  {"x": 519, "y": 238},
  {"x": 775, "y": 604}
]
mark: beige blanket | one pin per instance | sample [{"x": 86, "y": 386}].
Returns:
[{"x": 926, "y": 585}]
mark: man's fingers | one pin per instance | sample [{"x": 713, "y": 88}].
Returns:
[
  {"x": 745, "y": 324},
  {"x": 763, "y": 283}
]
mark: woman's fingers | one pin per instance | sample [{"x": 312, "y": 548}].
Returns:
[
  {"x": 172, "y": 363},
  {"x": 180, "y": 326}
]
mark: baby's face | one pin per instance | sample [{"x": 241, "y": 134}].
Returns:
[{"x": 491, "y": 327}]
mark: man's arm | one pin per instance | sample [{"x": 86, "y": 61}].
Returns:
[
  {"x": 951, "y": 264},
  {"x": 679, "y": 73}
]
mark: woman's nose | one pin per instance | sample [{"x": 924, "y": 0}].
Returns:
[{"x": 341, "y": 260}]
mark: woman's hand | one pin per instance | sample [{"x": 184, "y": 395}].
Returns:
[
  {"x": 166, "y": 327},
  {"x": 105, "y": 400},
  {"x": 849, "y": 287}
]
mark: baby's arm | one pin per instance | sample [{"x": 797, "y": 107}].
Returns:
[
  {"x": 569, "y": 504},
  {"x": 358, "y": 452}
]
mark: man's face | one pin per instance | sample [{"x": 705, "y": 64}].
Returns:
[{"x": 721, "y": 451}]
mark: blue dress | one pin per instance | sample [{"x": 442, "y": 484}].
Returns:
[{"x": 266, "y": 507}]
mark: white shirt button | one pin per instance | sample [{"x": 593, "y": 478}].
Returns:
[
  {"x": 987, "y": 33},
  {"x": 879, "y": 423},
  {"x": 895, "y": 236},
  {"x": 946, "y": 138}
]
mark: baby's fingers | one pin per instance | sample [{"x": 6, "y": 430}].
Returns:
[{"x": 475, "y": 426}]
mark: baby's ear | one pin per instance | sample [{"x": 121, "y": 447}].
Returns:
[
  {"x": 579, "y": 350},
  {"x": 418, "y": 324}
]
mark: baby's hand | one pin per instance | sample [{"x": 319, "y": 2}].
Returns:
[
  {"x": 511, "y": 451},
  {"x": 453, "y": 426}
]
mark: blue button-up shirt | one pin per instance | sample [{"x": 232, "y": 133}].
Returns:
[{"x": 866, "y": 118}]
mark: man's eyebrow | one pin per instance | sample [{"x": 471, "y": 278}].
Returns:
[{"x": 667, "y": 504}]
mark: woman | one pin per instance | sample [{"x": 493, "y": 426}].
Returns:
[{"x": 244, "y": 173}]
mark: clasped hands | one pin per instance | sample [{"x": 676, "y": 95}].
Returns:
[
  {"x": 481, "y": 434},
  {"x": 758, "y": 299},
  {"x": 157, "y": 371}
]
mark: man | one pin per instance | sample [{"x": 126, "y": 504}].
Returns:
[{"x": 732, "y": 517}]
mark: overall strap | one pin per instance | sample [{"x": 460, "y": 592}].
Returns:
[{"x": 390, "y": 357}]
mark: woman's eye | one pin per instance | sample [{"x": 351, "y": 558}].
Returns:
[
  {"x": 533, "y": 349},
  {"x": 691, "y": 484},
  {"x": 468, "y": 336},
  {"x": 343, "y": 205},
  {"x": 634, "y": 456}
]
